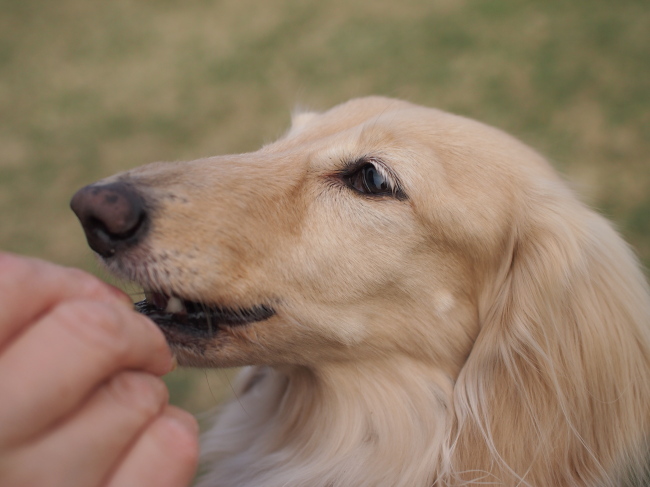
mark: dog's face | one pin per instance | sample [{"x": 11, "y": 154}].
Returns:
[
  {"x": 382, "y": 230},
  {"x": 366, "y": 230}
]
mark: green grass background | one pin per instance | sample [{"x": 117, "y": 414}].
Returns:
[{"x": 89, "y": 87}]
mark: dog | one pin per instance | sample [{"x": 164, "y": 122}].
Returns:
[{"x": 418, "y": 300}]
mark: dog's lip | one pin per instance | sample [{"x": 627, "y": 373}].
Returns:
[{"x": 170, "y": 311}]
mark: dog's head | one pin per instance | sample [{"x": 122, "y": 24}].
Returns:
[{"x": 378, "y": 229}]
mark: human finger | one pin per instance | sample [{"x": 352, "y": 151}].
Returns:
[
  {"x": 52, "y": 367},
  {"x": 85, "y": 447},
  {"x": 30, "y": 287},
  {"x": 165, "y": 455}
]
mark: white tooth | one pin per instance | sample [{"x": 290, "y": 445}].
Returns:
[
  {"x": 174, "y": 305},
  {"x": 148, "y": 295}
]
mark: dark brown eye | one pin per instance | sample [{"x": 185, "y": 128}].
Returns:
[{"x": 369, "y": 180}]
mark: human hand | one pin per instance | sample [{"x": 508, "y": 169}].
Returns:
[{"x": 82, "y": 403}]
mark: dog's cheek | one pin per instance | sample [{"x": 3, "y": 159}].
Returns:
[{"x": 342, "y": 256}]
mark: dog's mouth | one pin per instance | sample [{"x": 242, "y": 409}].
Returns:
[{"x": 169, "y": 311}]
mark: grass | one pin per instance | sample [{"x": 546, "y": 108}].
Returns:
[{"x": 91, "y": 88}]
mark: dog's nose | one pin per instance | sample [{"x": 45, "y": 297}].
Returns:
[{"x": 113, "y": 216}]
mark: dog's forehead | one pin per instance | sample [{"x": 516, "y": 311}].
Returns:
[
  {"x": 352, "y": 131},
  {"x": 376, "y": 124},
  {"x": 416, "y": 138}
]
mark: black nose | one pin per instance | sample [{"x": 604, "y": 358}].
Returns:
[{"x": 112, "y": 215}]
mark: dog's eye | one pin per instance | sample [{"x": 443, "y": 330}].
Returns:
[
  {"x": 371, "y": 176},
  {"x": 368, "y": 179}
]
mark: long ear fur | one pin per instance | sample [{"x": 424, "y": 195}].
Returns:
[{"x": 560, "y": 372}]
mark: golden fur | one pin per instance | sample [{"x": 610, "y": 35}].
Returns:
[{"x": 487, "y": 329}]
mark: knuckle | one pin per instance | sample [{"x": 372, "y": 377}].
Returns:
[{"x": 142, "y": 394}]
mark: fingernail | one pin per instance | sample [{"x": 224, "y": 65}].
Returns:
[
  {"x": 174, "y": 364},
  {"x": 182, "y": 419}
]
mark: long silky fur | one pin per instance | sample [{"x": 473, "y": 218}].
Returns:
[{"x": 555, "y": 390}]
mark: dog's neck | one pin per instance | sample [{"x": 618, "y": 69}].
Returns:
[{"x": 339, "y": 425}]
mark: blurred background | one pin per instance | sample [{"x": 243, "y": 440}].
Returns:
[{"x": 89, "y": 88}]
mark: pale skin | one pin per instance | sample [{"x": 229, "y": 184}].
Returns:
[{"x": 82, "y": 402}]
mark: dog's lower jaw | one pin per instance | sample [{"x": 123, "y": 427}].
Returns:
[{"x": 337, "y": 426}]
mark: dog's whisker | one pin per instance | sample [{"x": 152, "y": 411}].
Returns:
[
  {"x": 207, "y": 381},
  {"x": 208, "y": 320}
]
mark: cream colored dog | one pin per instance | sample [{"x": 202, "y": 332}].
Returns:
[{"x": 420, "y": 299}]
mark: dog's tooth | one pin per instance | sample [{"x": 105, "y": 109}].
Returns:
[
  {"x": 174, "y": 305},
  {"x": 148, "y": 295}
]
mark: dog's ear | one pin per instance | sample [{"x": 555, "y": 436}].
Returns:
[
  {"x": 300, "y": 118},
  {"x": 560, "y": 370}
]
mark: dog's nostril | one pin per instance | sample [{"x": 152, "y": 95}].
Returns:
[{"x": 113, "y": 216}]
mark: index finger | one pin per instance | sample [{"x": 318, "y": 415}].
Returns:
[
  {"x": 51, "y": 368},
  {"x": 30, "y": 287}
]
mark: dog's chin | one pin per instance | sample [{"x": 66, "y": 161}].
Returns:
[{"x": 191, "y": 326}]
